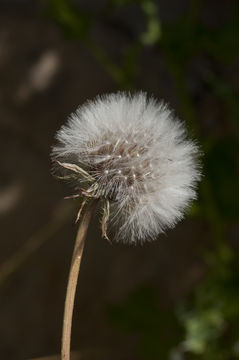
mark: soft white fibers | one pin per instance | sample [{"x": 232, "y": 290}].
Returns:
[{"x": 140, "y": 157}]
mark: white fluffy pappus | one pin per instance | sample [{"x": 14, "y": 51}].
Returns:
[{"x": 139, "y": 156}]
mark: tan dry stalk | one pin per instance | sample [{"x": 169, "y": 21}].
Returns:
[{"x": 72, "y": 281}]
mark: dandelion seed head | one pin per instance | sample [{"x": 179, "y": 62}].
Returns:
[{"x": 139, "y": 155}]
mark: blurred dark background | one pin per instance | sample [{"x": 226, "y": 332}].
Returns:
[{"x": 176, "y": 298}]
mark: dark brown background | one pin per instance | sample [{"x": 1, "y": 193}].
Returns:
[{"x": 44, "y": 77}]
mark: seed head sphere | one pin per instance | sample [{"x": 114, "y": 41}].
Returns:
[{"x": 139, "y": 156}]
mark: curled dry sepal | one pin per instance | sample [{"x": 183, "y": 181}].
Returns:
[{"x": 132, "y": 153}]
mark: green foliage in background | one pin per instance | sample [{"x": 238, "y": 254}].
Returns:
[
  {"x": 206, "y": 325},
  {"x": 211, "y": 317},
  {"x": 74, "y": 22}
]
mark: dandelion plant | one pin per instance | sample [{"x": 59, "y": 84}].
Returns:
[{"x": 130, "y": 156}]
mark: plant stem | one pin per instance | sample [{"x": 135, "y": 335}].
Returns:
[{"x": 72, "y": 281}]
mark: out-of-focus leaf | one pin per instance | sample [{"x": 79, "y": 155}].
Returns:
[
  {"x": 153, "y": 32},
  {"x": 201, "y": 328},
  {"x": 74, "y": 22},
  {"x": 130, "y": 64},
  {"x": 195, "y": 210},
  {"x": 211, "y": 317}
]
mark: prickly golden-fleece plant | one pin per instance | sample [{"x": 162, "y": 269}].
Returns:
[{"x": 131, "y": 152}]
